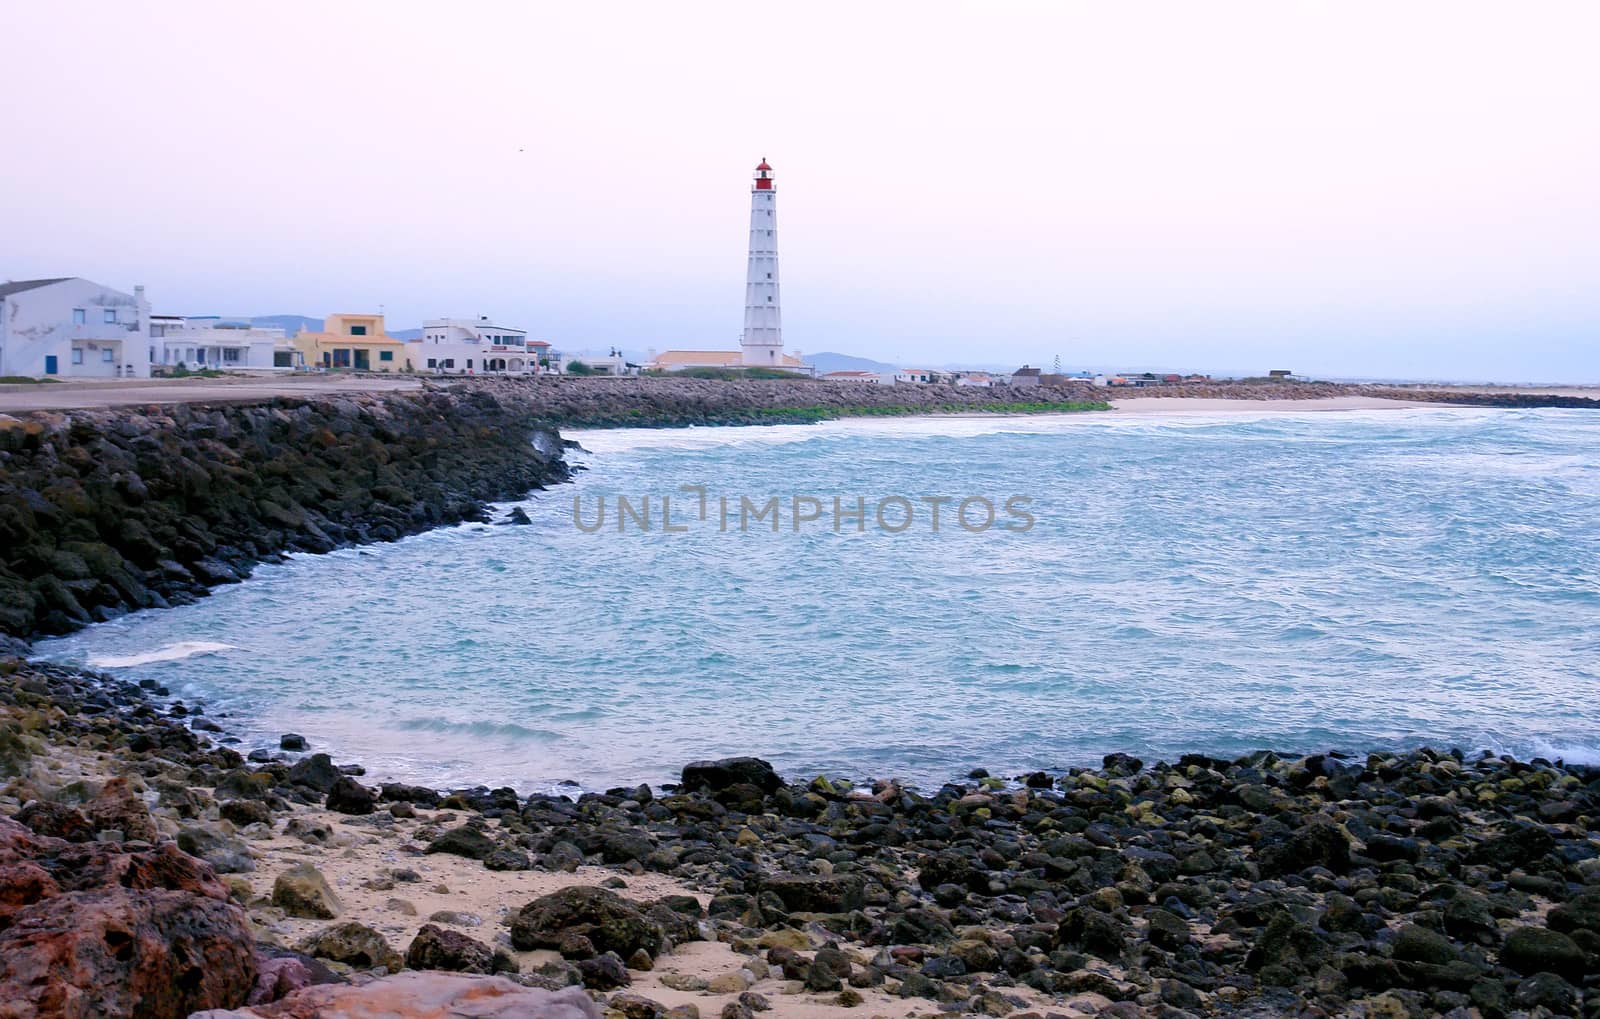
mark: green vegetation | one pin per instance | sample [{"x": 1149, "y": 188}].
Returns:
[
  {"x": 736, "y": 374},
  {"x": 180, "y": 372},
  {"x": 23, "y": 380},
  {"x": 804, "y": 414},
  {"x": 578, "y": 368}
]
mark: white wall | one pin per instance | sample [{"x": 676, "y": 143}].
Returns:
[{"x": 38, "y": 324}]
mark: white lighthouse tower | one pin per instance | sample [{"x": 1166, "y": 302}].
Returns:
[{"x": 762, "y": 342}]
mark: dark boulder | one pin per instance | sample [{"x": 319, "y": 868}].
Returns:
[
  {"x": 315, "y": 772},
  {"x": 1538, "y": 949},
  {"x": 610, "y": 922},
  {"x": 350, "y": 797},
  {"x": 435, "y": 947},
  {"x": 816, "y": 893},
  {"x": 730, "y": 771},
  {"x": 463, "y": 841}
]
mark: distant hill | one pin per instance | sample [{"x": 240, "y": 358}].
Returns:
[
  {"x": 290, "y": 324},
  {"x": 828, "y": 361}
]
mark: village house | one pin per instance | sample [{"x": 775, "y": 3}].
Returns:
[
  {"x": 915, "y": 376},
  {"x": 353, "y": 343},
  {"x": 980, "y": 380},
  {"x": 1026, "y": 376},
  {"x": 210, "y": 342},
  {"x": 682, "y": 360},
  {"x": 75, "y": 328},
  {"x": 464, "y": 346},
  {"x": 870, "y": 378}
]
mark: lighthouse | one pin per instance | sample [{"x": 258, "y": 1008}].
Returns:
[{"x": 761, "y": 345}]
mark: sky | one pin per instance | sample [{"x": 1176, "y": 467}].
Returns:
[{"x": 1344, "y": 189}]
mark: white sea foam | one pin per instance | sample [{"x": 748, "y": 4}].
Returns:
[{"x": 170, "y": 653}]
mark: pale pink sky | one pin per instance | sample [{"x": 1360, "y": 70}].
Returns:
[{"x": 1343, "y": 188}]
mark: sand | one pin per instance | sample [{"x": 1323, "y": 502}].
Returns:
[
  {"x": 1201, "y": 405},
  {"x": 363, "y": 850}
]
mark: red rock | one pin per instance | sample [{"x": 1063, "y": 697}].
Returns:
[
  {"x": 117, "y": 952},
  {"x": 413, "y": 995},
  {"x": 119, "y": 808}
]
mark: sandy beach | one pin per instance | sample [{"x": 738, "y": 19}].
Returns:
[{"x": 1202, "y": 405}]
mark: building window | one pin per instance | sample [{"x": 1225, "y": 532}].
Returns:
[
  {"x": 433, "y": 362},
  {"x": 341, "y": 358},
  {"x": 449, "y": 362},
  {"x": 386, "y": 355},
  {"x": 769, "y": 275},
  {"x": 230, "y": 355},
  {"x": 77, "y": 355},
  {"x": 469, "y": 364},
  {"x": 108, "y": 356},
  {"x": 79, "y": 317},
  {"x": 110, "y": 315},
  {"x": 358, "y": 330}
]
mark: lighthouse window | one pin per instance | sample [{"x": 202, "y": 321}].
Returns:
[{"x": 769, "y": 275}]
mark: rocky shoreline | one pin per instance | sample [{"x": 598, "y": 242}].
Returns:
[
  {"x": 105, "y": 512},
  {"x": 1415, "y": 884},
  {"x": 148, "y": 869}
]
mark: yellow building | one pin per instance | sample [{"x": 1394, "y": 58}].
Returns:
[{"x": 353, "y": 343}]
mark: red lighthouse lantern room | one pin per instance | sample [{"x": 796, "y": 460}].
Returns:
[{"x": 763, "y": 176}]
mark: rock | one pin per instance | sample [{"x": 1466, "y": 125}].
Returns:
[
  {"x": 119, "y": 808},
  {"x": 425, "y": 995},
  {"x": 437, "y": 948},
  {"x": 1533, "y": 950},
  {"x": 463, "y": 841},
  {"x": 816, "y": 893},
  {"x": 280, "y": 971},
  {"x": 1317, "y": 843},
  {"x": 56, "y": 820},
  {"x": 1093, "y": 931},
  {"x": 1419, "y": 944},
  {"x": 316, "y": 772},
  {"x": 350, "y": 797},
  {"x": 291, "y": 741},
  {"x": 610, "y": 922},
  {"x": 1168, "y": 930},
  {"x": 115, "y": 952},
  {"x": 507, "y": 858},
  {"x": 302, "y": 891},
  {"x": 604, "y": 972},
  {"x": 730, "y": 771},
  {"x": 456, "y": 917},
  {"x": 223, "y": 853},
  {"x": 245, "y": 812},
  {"x": 736, "y": 982},
  {"x": 354, "y": 944},
  {"x": 1547, "y": 990},
  {"x": 94, "y": 930},
  {"x": 686, "y": 982}
]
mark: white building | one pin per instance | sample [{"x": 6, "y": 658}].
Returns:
[
  {"x": 468, "y": 346},
  {"x": 762, "y": 342},
  {"x": 209, "y": 342},
  {"x": 870, "y": 378},
  {"x": 74, "y": 328}
]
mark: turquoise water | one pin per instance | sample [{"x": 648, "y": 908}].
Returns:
[{"x": 1304, "y": 582}]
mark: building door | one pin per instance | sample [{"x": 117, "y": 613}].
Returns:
[
  {"x": 363, "y": 360},
  {"x": 51, "y": 365}
]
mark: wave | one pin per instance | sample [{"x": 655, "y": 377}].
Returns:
[
  {"x": 510, "y": 729},
  {"x": 171, "y": 653}
]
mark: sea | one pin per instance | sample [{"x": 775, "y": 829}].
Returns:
[{"x": 1094, "y": 583}]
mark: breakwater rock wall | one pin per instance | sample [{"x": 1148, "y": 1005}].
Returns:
[
  {"x": 103, "y": 512},
  {"x": 662, "y": 402}
]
